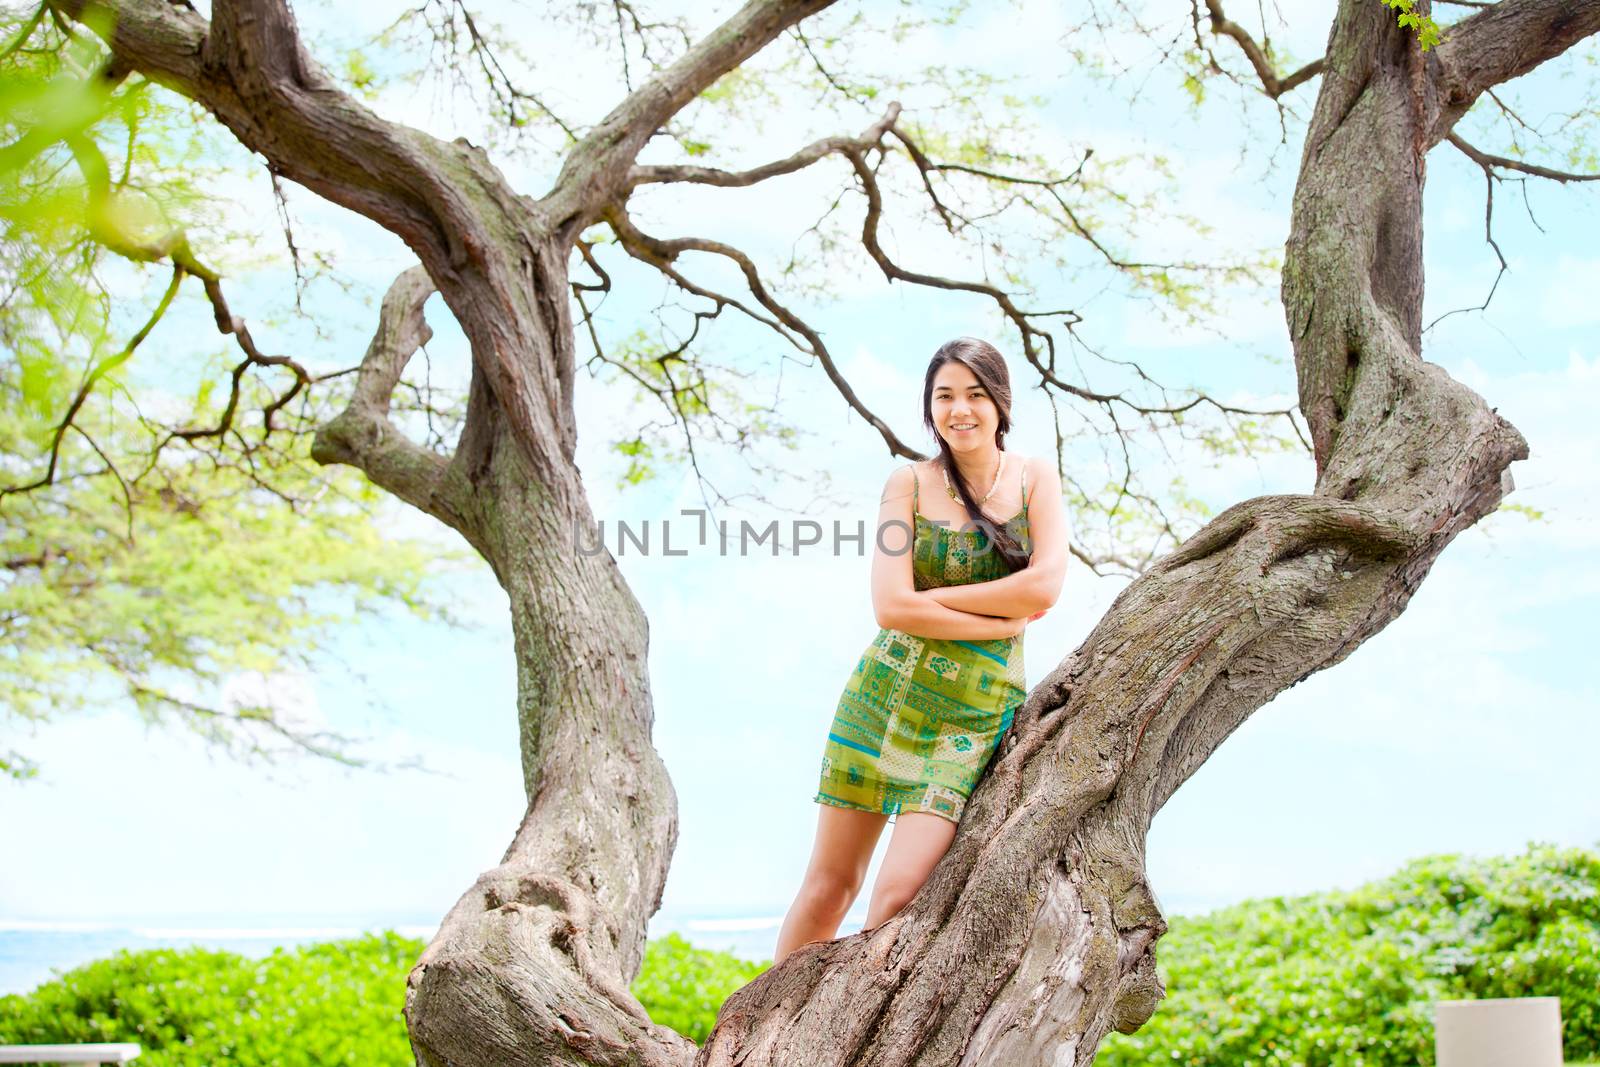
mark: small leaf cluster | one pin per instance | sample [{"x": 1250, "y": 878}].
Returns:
[{"x": 1429, "y": 32}]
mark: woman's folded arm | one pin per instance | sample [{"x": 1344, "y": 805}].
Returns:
[
  {"x": 1021, "y": 593},
  {"x": 922, "y": 616}
]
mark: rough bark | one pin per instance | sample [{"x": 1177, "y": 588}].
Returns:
[
  {"x": 1035, "y": 934},
  {"x": 532, "y": 964}
]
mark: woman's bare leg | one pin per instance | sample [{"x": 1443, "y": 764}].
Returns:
[
  {"x": 839, "y": 861},
  {"x": 919, "y": 841}
]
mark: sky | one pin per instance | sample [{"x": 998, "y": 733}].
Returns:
[{"x": 1467, "y": 725}]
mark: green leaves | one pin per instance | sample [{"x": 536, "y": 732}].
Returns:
[
  {"x": 335, "y": 1002},
  {"x": 1322, "y": 980},
  {"x": 1429, "y": 32},
  {"x": 640, "y": 454},
  {"x": 330, "y": 1003},
  {"x": 683, "y": 987},
  {"x": 167, "y": 587},
  {"x": 1351, "y": 977},
  {"x": 147, "y": 568}
]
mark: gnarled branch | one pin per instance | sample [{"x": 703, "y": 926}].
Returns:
[
  {"x": 363, "y": 436},
  {"x": 1271, "y": 84}
]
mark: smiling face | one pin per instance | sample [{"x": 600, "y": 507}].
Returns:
[{"x": 963, "y": 412}]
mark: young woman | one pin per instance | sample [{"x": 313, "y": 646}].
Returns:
[{"x": 934, "y": 692}]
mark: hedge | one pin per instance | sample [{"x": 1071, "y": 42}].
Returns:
[{"x": 1340, "y": 979}]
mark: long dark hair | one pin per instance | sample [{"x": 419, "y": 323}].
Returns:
[{"x": 989, "y": 366}]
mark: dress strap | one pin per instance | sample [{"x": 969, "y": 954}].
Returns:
[
  {"x": 1024, "y": 487},
  {"x": 914, "y": 487}
]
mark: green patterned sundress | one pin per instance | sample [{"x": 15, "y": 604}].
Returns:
[{"x": 920, "y": 717}]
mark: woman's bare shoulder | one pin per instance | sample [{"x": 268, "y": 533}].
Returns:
[
  {"x": 1042, "y": 466},
  {"x": 899, "y": 481}
]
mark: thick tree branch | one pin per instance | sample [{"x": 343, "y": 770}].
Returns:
[
  {"x": 1499, "y": 43},
  {"x": 598, "y": 169},
  {"x": 249, "y": 69}
]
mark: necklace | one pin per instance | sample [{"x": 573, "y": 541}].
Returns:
[{"x": 952, "y": 489}]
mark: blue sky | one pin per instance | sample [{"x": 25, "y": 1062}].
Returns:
[{"x": 1469, "y": 724}]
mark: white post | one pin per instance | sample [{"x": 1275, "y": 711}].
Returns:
[
  {"x": 91, "y": 1054},
  {"x": 1504, "y": 1032}
]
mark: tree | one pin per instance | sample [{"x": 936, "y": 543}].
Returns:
[
  {"x": 1043, "y": 890},
  {"x": 150, "y": 550}
]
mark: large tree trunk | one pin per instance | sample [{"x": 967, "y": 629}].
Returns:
[
  {"x": 1034, "y": 935},
  {"x": 532, "y": 964}
]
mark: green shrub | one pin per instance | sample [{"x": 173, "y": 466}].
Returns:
[
  {"x": 683, "y": 987},
  {"x": 1326, "y": 980},
  {"x": 1349, "y": 979},
  {"x": 328, "y": 1003}
]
